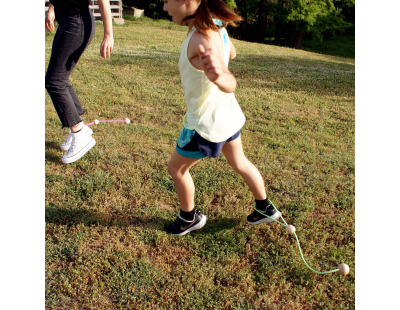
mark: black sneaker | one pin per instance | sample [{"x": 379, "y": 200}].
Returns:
[
  {"x": 181, "y": 227},
  {"x": 257, "y": 218}
]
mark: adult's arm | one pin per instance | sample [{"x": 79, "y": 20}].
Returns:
[{"x": 107, "y": 44}]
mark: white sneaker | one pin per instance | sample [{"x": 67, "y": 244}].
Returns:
[
  {"x": 81, "y": 143},
  {"x": 65, "y": 146}
]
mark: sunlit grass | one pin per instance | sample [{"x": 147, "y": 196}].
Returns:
[{"x": 105, "y": 244}]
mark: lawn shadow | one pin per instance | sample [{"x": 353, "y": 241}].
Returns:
[
  {"x": 219, "y": 224},
  {"x": 71, "y": 217},
  {"x": 55, "y": 158},
  {"x": 51, "y": 154},
  {"x": 212, "y": 226},
  {"x": 52, "y": 145}
]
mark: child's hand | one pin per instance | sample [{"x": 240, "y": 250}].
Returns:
[
  {"x": 211, "y": 63},
  {"x": 215, "y": 70}
]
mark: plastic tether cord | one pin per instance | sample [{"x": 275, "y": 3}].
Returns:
[
  {"x": 108, "y": 121},
  {"x": 297, "y": 239}
]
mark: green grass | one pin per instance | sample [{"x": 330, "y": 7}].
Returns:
[
  {"x": 105, "y": 244},
  {"x": 340, "y": 45}
]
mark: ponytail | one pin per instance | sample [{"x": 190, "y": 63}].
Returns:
[{"x": 210, "y": 9}]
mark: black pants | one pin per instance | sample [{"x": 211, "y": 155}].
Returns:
[{"x": 74, "y": 33}]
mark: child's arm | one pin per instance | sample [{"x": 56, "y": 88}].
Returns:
[
  {"x": 232, "y": 51},
  {"x": 216, "y": 71},
  {"x": 206, "y": 54}
]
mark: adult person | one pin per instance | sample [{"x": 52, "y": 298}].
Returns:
[{"x": 76, "y": 29}]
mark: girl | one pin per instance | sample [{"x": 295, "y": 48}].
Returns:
[
  {"x": 214, "y": 119},
  {"x": 75, "y": 32}
]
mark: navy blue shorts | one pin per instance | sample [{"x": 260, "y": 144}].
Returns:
[{"x": 198, "y": 147}]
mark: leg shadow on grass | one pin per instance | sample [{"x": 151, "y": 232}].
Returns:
[
  {"x": 51, "y": 156},
  {"x": 216, "y": 225},
  {"x": 52, "y": 145},
  {"x": 51, "y": 153},
  {"x": 213, "y": 225},
  {"x": 70, "y": 217},
  {"x": 75, "y": 216}
]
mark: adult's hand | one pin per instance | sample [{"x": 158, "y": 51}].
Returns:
[
  {"x": 106, "y": 46},
  {"x": 108, "y": 40},
  {"x": 49, "y": 19}
]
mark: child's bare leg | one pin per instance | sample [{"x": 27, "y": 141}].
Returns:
[
  {"x": 188, "y": 218},
  {"x": 233, "y": 152},
  {"x": 178, "y": 168}
]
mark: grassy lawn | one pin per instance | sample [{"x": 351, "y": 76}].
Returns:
[
  {"x": 341, "y": 45},
  {"x": 105, "y": 244}
]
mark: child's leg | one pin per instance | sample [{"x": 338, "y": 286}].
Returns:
[
  {"x": 188, "y": 218},
  {"x": 233, "y": 152},
  {"x": 178, "y": 168}
]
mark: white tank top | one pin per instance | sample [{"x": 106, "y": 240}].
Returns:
[{"x": 215, "y": 115}]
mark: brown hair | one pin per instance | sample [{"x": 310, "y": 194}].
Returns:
[{"x": 209, "y": 9}]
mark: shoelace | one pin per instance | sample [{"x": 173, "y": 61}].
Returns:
[
  {"x": 180, "y": 220},
  {"x": 69, "y": 137},
  {"x": 71, "y": 148}
]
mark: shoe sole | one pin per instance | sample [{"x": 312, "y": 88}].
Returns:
[
  {"x": 275, "y": 216},
  {"x": 82, "y": 152},
  {"x": 199, "y": 225},
  {"x": 66, "y": 147}
]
